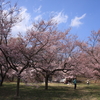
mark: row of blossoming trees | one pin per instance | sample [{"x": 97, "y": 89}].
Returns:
[{"x": 44, "y": 51}]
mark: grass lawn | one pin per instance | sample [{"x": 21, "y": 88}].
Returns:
[{"x": 56, "y": 91}]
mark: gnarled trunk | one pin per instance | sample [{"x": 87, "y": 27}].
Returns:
[
  {"x": 3, "y": 75},
  {"x": 1, "y": 81},
  {"x": 46, "y": 82},
  {"x": 18, "y": 84}
]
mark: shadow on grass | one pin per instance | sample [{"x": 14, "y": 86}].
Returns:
[
  {"x": 7, "y": 92},
  {"x": 94, "y": 90}
]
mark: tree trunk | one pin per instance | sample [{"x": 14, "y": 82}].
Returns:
[
  {"x": 1, "y": 81},
  {"x": 46, "y": 82},
  {"x": 3, "y": 75},
  {"x": 18, "y": 83}
]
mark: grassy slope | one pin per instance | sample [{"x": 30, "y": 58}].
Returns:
[{"x": 56, "y": 92}]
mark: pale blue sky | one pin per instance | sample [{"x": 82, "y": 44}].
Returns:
[{"x": 83, "y": 16}]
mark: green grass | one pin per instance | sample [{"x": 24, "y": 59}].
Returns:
[{"x": 55, "y": 92}]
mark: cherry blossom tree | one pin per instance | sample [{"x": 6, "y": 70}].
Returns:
[
  {"x": 91, "y": 49},
  {"x": 9, "y": 16},
  {"x": 83, "y": 64},
  {"x": 25, "y": 50},
  {"x": 56, "y": 49},
  {"x": 15, "y": 58}
]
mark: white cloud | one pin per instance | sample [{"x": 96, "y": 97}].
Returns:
[
  {"x": 76, "y": 21},
  {"x": 24, "y": 24},
  {"x": 37, "y": 10},
  {"x": 59, "y": 17},
  {"x": 37, "y": 18}
]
